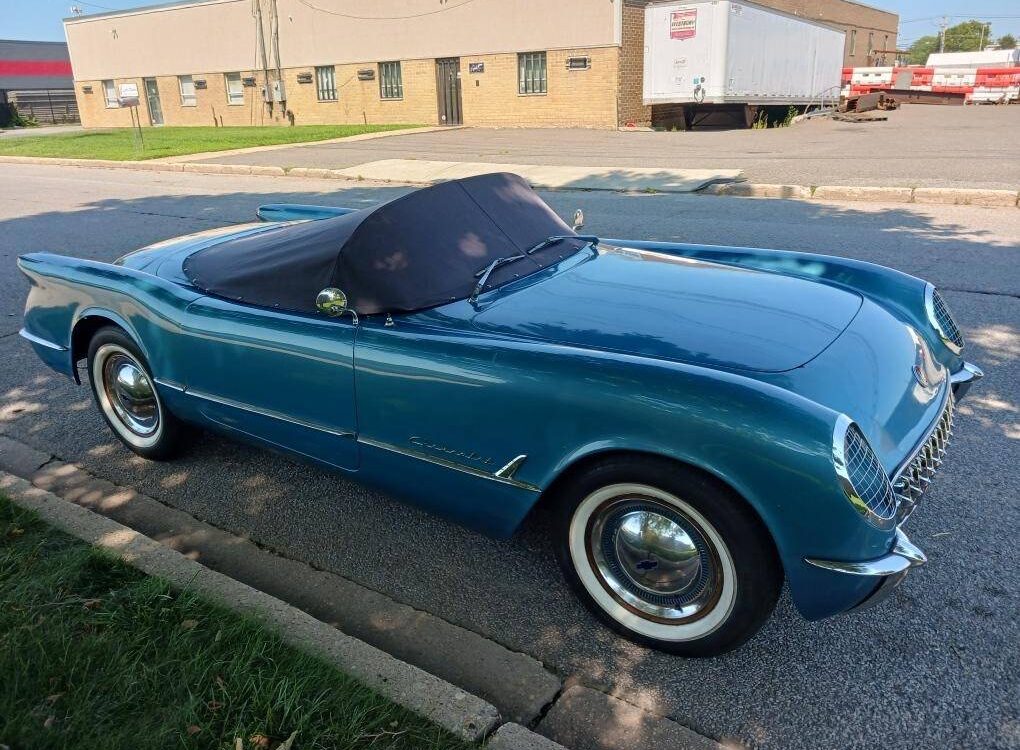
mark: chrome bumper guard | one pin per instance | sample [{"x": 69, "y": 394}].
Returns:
[
  {"x": 891, "y": 567},
  {"x": 968, "y": 375}
]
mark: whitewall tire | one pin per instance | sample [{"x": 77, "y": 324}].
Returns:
[
  {"x": 125, "y": 392},
  {"x": 667, "y": 556}
]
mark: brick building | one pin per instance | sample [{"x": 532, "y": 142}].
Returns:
[{"x": 477, "y": 62}]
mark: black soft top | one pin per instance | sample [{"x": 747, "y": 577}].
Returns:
[{"x": 418, "y": 251}]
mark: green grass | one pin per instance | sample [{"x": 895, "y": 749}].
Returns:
[
  {"x": 122, "y": 144},
  {"x": 95, "y": 654}
]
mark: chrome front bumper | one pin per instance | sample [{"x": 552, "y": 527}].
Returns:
[
  {"x": 891, "y": 568},
  {"x": 909, "y": 481}
]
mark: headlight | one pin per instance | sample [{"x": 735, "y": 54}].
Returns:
[
  {"x": 942, "y": 320},
  {"x": 861, "y": 475}
]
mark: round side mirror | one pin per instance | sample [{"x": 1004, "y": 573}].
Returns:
[
  {"x": 332, "y": 302},
  {"x": 578, "y": 219}
]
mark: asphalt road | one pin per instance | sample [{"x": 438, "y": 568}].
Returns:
[
  {"x": 919, "y": 146},
  {"x": 938, "y": 666}
]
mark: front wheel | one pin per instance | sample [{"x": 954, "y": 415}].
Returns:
[
  {"x": 125, "y": 391},
  {"x": 667, "y": 557}
]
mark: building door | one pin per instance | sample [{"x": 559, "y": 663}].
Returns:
[
  {"x": 152, "y": 97},
  {"x": 448, "y": 89}
]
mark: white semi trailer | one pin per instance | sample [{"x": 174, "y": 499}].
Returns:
[{"x": 706, "y": 55}]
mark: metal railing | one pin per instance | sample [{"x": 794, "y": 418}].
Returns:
[{"x": 50, "y": 106}]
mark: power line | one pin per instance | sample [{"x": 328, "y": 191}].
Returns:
[{"x": 352, "y": 16}]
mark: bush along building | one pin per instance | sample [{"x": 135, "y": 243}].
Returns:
[{"x": 570, "y": 63}]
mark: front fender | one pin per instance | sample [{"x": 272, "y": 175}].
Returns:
[{"x": 557, "y": 405}]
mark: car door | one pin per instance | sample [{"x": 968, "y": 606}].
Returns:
[{"x": 285, "y": 379}]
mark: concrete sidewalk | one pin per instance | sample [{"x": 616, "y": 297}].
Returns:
[{"x": 417, "y": 172}]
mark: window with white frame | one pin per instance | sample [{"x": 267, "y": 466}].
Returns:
[
  {"x": 110, "y": 92},
  {"x": 391, "y": 83},
  {"x": 235, "y": 89},
  {"x": 531, "y": 73},
  {"x": 325, "y": 83},
  {"x": 187, "y": 84},
  {"x": 853, "y": 42}
]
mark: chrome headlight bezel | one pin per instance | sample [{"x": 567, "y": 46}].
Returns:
[
  {"x": 954, "y": 343},
  {"x": 848, "y": 442}
]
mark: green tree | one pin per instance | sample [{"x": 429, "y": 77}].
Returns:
[
  {"x": 919, "y": 50},
  {"x": 1007, "y": 41},
  {"x": 969, "y": 36}
]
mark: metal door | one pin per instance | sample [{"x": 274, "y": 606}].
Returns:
[
  {"x": 448, "y": 90},
  {"x": 152, "y": 96}
]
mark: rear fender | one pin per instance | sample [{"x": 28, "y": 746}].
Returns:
[
  {"x": 298, "y": 212},
  {"x": 65, "y": 292}
]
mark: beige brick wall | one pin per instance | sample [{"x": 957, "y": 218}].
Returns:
[
  {"x": 576, "y": 98},
  {"x": 211, "y": 106},
  {"x": 632, "y": 61},
  {"x": 360, "y": 102}
]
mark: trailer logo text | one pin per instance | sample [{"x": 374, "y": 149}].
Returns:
[{"x": 683, "y": 24}]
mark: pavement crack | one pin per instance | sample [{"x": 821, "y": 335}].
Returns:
[
  {"x": 980, "y": 291},
  {"x": 45, "y": 463},
  {"x": 8, "y": 335}
]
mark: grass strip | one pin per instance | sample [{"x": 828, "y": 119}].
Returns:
[
  {"x": 122, "y": 144},
  {"x": 94, "y": 653}
]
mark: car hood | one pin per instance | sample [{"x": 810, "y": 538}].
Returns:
[{"x": 658, "y": 305}]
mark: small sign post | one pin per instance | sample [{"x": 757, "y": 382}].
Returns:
[{"x": 129, "y": 98}]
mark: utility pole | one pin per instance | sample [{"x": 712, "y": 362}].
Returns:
[
  {"x": 942, "y": 33},
  {"x": 981, "y": 41}
]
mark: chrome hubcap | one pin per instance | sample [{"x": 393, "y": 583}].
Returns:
[
  {"x": 130, "y": 394},
  {"x": 653, "y": 559}
]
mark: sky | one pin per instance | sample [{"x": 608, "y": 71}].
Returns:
[{"x": 40, "y": 19}]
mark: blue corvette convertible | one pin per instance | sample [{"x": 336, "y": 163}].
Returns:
[{"x": 703, "y": 422}]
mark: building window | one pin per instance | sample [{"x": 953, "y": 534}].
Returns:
[
  {"x": 871, "y": 43},
  {"x": 325, "y": 83},
  {"x": 391, "y": 83},
  {"x": 187, "y": 84},
  {"x": 853, "y": 42},
  {"x": 531, "y": 73},
  {"x": 235, "y": 89},
  {"x": 110, "y": 92}
]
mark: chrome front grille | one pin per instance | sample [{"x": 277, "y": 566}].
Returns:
[
  {"x": 867, "y": 476},
  {"x": 916, "y": 474},
  {"x": 945, "y": 319}
]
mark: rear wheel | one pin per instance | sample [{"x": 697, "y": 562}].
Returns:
[
  {"x": 667, "y": 557},
  {"x": 125, "y": 391}
]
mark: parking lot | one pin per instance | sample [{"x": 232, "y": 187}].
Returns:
[
  {"x": 918, "y": 146},
  {"x": 937, "y": 666}
]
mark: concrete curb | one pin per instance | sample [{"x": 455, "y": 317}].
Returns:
[
  {"x": 516, "y": 737},
  {"x": 524, "y": 691},
  {"x": 518, "y": 685},
  {"x": 988, "y": 198},
  {"x": 464, "y": 715},
  {"x": 586, "y": 718}
]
